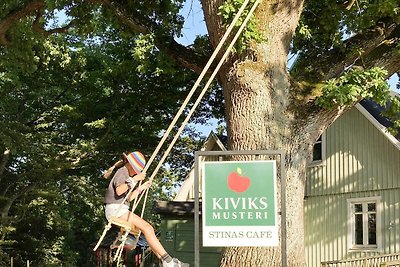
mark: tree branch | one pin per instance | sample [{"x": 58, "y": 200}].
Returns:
[
  {"x": 385, "y": 55},
  {"x": 131, "y": 21},
  {"x": 376, "y": 47},
  {"x": 181, "y": 54},
  {"x": 37, "y": 27},
  {"x": 6, "y": 208},
  {"x": 354, "y": 51},
  {"x": 9, "y": 183},
  {"x": 3, "y": 162},
  {"x": 361, "y": 47},
  {"x": 14, "y": 16},
  {"x": 136, "y": 23}
]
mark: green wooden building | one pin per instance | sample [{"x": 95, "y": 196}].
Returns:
[{"x": 352, "y": 197}]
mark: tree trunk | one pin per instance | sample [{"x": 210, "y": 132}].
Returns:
[
  {"x": 262, "y": 112},
  {"x": 260, "y": 115},
  {"x": 254, "y": 122}
]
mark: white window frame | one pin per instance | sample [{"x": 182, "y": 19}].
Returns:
[
  {"x": 351, "y": 224},
  {"x": 323, "y": 152}
]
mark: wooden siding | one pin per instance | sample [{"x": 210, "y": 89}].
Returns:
[
  {"x": 358, "y": 158},
  {"x": 177, "y": 237},
  {"x": 360, "y": 162}
]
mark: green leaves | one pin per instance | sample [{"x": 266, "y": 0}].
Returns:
[
  {"x": 251, "y": 33},
  {"x": 69, "y": 106},
  {"x": 357, "y": 84},
  {"x": 99, "y": 124},
  {"x": 354, "y": 85},
  {"x": 326, "y": 24},
  {"x": 304, "y": 31},
  {"x": 144, "y": 46},
  {"x": 392, "y": 112}
]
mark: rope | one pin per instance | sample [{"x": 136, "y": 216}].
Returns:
[
  {"x": 184, "y": 104},
  {"x": 186, "y": 101},
  {"x": 201, "y": 96},
  {"x": 202, "y": 74},
  {"x": 205, "y": 89},
  {"x": 184, "y": 123}
]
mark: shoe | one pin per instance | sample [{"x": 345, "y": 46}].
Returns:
[{"x": 174, "y": 263}]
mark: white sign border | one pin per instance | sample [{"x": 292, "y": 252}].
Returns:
[{"x": 271, "y": 233}]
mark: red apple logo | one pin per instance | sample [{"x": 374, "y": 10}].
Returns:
[{"x": 237, "y": 182}]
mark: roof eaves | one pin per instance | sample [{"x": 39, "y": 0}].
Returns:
[
  {"x": 180, "y": 208},
  {"x": 379, "y": 126}
]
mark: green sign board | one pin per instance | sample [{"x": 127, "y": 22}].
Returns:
[{"x": 239, "y": 203}]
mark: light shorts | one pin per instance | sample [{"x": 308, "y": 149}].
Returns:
[{"x": 116, "y": 210}]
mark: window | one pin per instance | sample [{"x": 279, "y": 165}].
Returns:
[
  {"x": 319, "y": 150},
  {"x": 364, "y": 223}
]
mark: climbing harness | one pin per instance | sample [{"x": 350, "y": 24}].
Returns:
[{"x": 123, "y": 224}]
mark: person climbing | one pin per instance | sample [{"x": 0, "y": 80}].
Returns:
[{"x": 130, "y": 171}]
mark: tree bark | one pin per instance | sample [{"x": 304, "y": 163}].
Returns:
[
  {"x": 259, "y": 115},
  {"x": 14, "y": 16},
  {"x": 375, "y": 48},
  {"x": 3, "y": 161}
]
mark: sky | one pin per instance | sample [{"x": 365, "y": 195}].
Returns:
[
  {"x": 195, "y": 25},
  {"x": 194, "y": 22}
]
